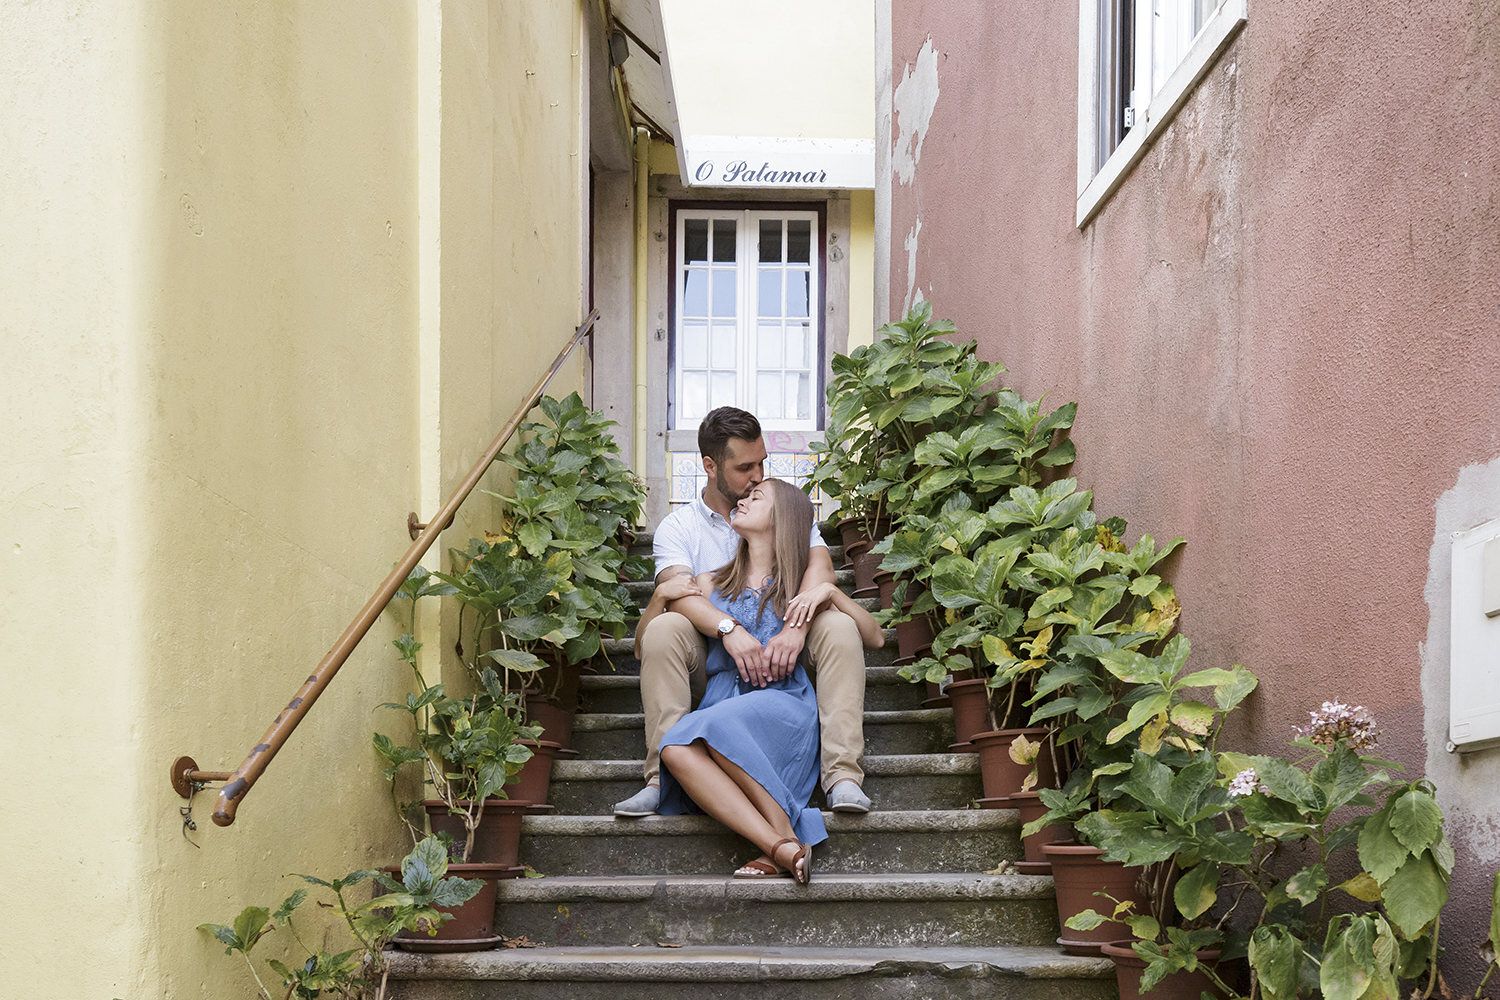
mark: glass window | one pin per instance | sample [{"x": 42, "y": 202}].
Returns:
[{"x": 745, "y": 327}]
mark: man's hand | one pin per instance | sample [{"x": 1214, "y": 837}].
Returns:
[
  {"x": 748, "y": 656},
  {"x": 681, "y": 585},
  {"x": 782, "y": 651}
]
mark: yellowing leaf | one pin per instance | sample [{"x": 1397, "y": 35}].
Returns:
[
  {"x": 1363, "y": 887},
  {"x": 1151, "y": 734},
  {"x": 951, "y": 615},
  {"x": 1024, "y": 751},
  {"x": 1041, "y": 643},
  {"x": 1193, "y": 717}
]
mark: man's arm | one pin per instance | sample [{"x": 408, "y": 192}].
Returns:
[
  {"x": 741, "y": 646},
  {"x": 785, "y": 646}
]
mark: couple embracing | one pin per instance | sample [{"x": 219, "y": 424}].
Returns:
[{"x": 745, "y": 601}]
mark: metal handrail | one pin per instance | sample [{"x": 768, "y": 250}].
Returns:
[{"x": 186, "y": 778}]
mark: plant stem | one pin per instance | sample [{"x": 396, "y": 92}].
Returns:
[{"x": 263, "y": 991}]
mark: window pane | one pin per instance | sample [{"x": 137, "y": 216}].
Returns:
[
  {"x": 796, "y": 293},
  {"x": 796, "y": 345},
  {"x": 799, "y": 242},
  {"x": 723, "y": 394},
  {"x": 799, "y": 388},
  {"x": 695, "y": 294},
  {"x": 725, "y": 293},
  {"x": 768, "y": 346},
  {"x": 692, "y": 351},
  {"x": 694, "y": 402},
  {"x": 770, "y": 241},
  {"x": 724, "y": 354},
  {"x": 770, "y": 291},
  {"x": 695, "y": 238},
  {"x": 724, "y": 240},
  {"x": 768, "y": 395}
]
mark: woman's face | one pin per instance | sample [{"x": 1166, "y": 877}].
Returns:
[{"x": 754, "y": 512}]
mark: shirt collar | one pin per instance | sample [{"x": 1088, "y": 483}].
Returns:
[{"x": 709, "y": 515}]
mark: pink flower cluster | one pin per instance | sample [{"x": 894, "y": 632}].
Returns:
[{"x": 1336, "y": 722}]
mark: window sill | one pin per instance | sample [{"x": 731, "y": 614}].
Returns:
[{"x": 1215, "y": 37}]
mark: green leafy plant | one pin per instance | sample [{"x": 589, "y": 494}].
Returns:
[
  {"x": 468, "y": 748},
  {"x": 413, "y": 904}
]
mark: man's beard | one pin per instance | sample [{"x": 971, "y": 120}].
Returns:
[{"x": 722, "y": 485}]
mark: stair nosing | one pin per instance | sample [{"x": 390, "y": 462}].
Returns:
[
  {"x": 901, "y": 820},
  {"x": 747, "y": 963},
  {"x": 875, "y": 765},
  {"x": 825, "y": 888},
  {"x": 594, "y": 722}
]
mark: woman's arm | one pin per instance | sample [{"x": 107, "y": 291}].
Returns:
[
  {"x": 870, "y": 632},
  {"x": 675, "y": 582}
]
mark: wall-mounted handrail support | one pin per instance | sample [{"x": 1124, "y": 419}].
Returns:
[{"x": 185, "y": 773}]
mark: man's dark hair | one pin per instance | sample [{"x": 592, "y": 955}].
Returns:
[{"x": 722, "y": 424}]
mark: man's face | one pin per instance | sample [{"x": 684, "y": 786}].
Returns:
[{"x": 743, "y": 467}]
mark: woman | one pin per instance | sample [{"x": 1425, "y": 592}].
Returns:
[{"x": 748, "y": 756}]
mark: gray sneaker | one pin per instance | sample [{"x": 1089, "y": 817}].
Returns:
[
  {"x": 642, "y": 803},
  {"x": 848, "y": 797}
]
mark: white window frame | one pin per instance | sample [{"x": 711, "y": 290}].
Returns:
[
  {"x": 1153, "y": 113},
  {"x": 747, "y": 253}
]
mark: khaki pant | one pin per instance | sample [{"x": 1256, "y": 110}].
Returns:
[{"x": 672, "y": 679}]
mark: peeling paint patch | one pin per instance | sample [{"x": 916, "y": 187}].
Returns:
[
  {"x": 915, "y": 97},
  {"x": 1466, "y": 783},
  {"x": 911, "y": 267}
]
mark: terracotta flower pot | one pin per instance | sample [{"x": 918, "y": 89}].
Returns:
[
  {"x": 1078, "y": 872},
  {"x": 473, "y": 925},
  {"x": 497, "y": 838},
  {"x": 1029, "y": 805},
  {"x": 535, "y": 778},
  {"x": 866, "y": 565},
  {"x": 1174, "y": 986},
  {"x": 555, "y": 719},
  {"x": 914, "y": 637},
  {"x": 935, "y": 697},
  {"x": 971, "y": 712},
  {"x": 852, "y": 531},
  {"x": 1002, "y": 776}
]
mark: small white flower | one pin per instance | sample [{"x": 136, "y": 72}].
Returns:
[{"x": 1247, "y": 782}]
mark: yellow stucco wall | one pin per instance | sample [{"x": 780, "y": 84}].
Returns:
[
  {"x": 861, "y": 268},
  {"x": 272, "y": 278}
]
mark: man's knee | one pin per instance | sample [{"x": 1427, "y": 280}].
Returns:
[
  {"x": 833, "y": 640},
  {"x": 668, "y": 637}
]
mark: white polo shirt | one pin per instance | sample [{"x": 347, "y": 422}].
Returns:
[{"x": 699, "y": 538}]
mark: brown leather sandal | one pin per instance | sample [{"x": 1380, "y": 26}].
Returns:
[
  {"x": 760, "y": 869},
  {"x": 801, "y": 866}
]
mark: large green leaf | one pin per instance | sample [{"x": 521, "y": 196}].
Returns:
[
  {"x": 1343, "y": 976},
  {"x": 454, "y": 891},
  {"x": 1307, "y": 885},
  {"x": 1197, "y": 890},
  {"x": 1416, "y": 820},
  {"x": 1142, "y": 711},
  {"x": 1276, "y": 958},
  {"x": 1380, "y": 852},
  {"x": 1415, "y": 894}
]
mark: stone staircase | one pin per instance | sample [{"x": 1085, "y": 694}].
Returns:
[{"x": 900, "y": 904}]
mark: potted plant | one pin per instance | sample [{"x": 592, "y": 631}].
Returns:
[
  {"x": 468, "y": 748},
  {"x": 423, "y": 902}
]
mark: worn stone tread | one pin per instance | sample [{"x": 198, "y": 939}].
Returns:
[
  {"x": 823, "y": 888},
  {"x": 593, "y": 722},
  {"x": 875, "y": 765},
  {"x": 703, "y": 964},
  {"x": 902, "y": 821}
]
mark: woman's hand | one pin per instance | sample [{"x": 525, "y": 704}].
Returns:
[
  {"x": 801, "y": 609},
  {"x": 675, "y": 587}
]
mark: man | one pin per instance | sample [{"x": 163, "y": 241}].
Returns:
[{"x": 697, "y": 538}]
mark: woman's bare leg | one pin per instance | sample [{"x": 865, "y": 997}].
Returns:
[{"x": 710, "y": 779}]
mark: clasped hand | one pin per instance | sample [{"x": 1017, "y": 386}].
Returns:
[{"x": 760, "y": 665}]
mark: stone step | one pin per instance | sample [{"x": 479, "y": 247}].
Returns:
[
  {"x": 696, "y": 973},
  {"x": 885, "y": 690},
  {"x": 952, "y": 840},
  {"x": 858, "y": 911},
  {"x": 622, "y": 736},
  {"x": 901, "y": 781}
]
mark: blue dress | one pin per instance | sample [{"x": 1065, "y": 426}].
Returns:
[{"x": 771, "y": 733}]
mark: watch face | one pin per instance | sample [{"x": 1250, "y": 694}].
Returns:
[{"x": 726, "y": 626}]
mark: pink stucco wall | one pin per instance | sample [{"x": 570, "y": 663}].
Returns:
[{"x": 1283, "y": 330}]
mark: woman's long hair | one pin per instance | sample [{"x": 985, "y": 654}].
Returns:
[{"x": 791, "y": 525}]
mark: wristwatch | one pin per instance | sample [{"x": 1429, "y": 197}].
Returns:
[{"x": 727, "y": 625}]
